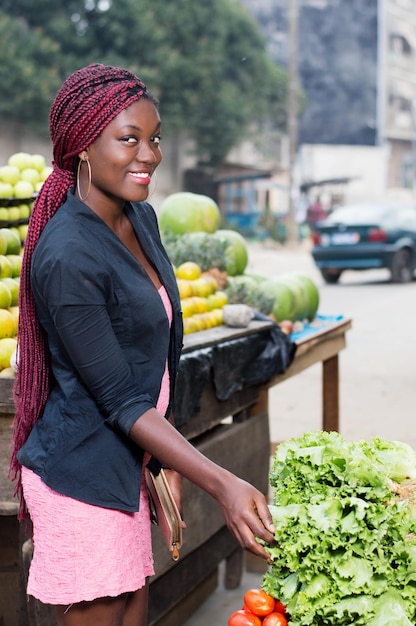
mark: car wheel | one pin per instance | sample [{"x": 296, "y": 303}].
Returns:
[
  {"x": 331, "y": 276},
  {"x": 402, "y": 266}
]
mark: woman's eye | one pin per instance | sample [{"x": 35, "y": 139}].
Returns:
[
  {"x": 156, "y": 139},
  {"x": 129, "y": 139}
]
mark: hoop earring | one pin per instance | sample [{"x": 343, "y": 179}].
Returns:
[
  {"x": 154, "y": 176},
  {"x": 80, "y": 162}
]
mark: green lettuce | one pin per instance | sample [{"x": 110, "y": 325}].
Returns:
[{"x": 345, "y": 518}]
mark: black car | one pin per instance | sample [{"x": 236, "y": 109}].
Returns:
[{"x": 366, "y": 236}]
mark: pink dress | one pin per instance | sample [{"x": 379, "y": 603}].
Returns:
[{"x": 81, "y": 551}]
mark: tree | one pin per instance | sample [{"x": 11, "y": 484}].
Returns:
[
  {"x": 207, "y": 62},
  {"x": 28, "y": 76},
  {"x": 219, "y": 75}
]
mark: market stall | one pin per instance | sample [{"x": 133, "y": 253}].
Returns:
[{"x": 222, "y": 408}]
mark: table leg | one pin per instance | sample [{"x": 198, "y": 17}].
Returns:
[
  {"x": 330, "y": 394},
  {"x": 234, "y": 565}
]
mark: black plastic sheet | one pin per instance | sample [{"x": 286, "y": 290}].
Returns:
[
  {"x": 274, "y": 359},
  {"x": 194, "y": 372},
  {"x": 230, "y": 365}
]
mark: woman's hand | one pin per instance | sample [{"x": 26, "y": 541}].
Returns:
[
  {"x": 246, "y": 514},
  {"x": 243, "y": 506}
]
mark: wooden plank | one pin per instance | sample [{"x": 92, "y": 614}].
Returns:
[
  {"x": 255, "y": 564},
  {"x": 188, "y": 604},
  {"x": 330, "y": 394},
  {"x": 233, "y": 446},
  {"x": 324, "y": 346},
  {"x": 234, "y": 569},
  {"x": 6, "y": 397},
  {"x": 214, "y": 411},
  {"x": 335, "y": 328},
  {"x": 8, "y": 504},
  {"x": 9, "y": 570},
  {"x": 262, "y": 405},
  {"x": 174, "y": 587},
  {"x": 321, "y": 352},
  {"x": 219, "y": 334}
]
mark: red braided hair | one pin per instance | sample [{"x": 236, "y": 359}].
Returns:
[{"x": 87, "y": 101}]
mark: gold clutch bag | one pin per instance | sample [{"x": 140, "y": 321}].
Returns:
[{"x": 164, "y": 512}]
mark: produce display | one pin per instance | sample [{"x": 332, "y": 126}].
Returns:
[
  {"x": 210, "y": 263},
  {"x": 187, "y": 212},
  {"x": 345, "y": 518},
  {"x": 236, "y": 254},
  {"x": 249, "y": 290},
  {"x": 296, "y": 297},
  {"x": 259, "y": 609},
  {"x": 22, "y": 176},
  {"x": 225, "y": 250},
  {"x": 10, "y": 265},
  {"x": 20, "y": 179},
  {"x": 189, "y": 225},
  {"x": 201, "y": 300}
]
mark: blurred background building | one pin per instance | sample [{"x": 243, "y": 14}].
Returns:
[{"x": 357, "y": 66}]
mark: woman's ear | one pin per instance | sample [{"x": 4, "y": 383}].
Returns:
[{"x": 83, "y": 155}]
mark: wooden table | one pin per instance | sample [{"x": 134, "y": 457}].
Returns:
[
  {"x": 232, "y": 432},
  {"x": 323, "y": 346}
]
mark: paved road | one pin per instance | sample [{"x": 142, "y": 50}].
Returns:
[
  {"x": 378, "y": 368},
  {"x": 377, "y": 375}
]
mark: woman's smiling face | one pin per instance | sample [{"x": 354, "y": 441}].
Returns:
[{"x": 125, "y": 155}]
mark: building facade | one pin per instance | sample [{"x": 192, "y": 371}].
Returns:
[
  {"x": 357, "y": 66},
  {"x": 398, "y": 90}
]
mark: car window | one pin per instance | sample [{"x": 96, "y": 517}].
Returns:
[
  {"x": 406, "y": 219},
  {"x": 391, "y": 220},
  {"x": 390, "y": 216},
  {"x": 359, "y": 214}
]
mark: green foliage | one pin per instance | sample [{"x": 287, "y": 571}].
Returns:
[
  {"x": 206, "y": 61},
  {"x": 28, "y": 76}
]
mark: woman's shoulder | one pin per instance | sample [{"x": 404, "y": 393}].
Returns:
[
  {"x": 66, "y": 239},
  {"x": 73, "y": 224}
]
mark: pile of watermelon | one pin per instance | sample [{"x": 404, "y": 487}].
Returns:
[{"x": 190, "y": 227}]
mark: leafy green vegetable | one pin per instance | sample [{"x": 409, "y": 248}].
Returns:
[
  {"x": 345, "y": 514},
  {"x": 202, "y": 248}
]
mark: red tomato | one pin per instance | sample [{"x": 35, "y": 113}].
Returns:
[
  {"x": 259, "y": 602},
  {"x": 244, "y": 618},
  {"x": 274, "y": 619},
  {"x": 279, "y": 607}
]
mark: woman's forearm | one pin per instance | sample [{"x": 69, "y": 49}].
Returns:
[
  {"x": 160, "y": 438},
  {"x": 244, "y": 508}
]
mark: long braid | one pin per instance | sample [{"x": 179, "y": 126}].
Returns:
[{"x": 87, "y": 101}]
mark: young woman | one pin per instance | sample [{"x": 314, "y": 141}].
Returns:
[{"x": 100, "y": 334}]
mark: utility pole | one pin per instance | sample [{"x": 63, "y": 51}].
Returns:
[{"x": 292, "y": 117}]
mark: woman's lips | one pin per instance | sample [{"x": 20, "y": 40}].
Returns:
[{"x": 141, "y": 177}]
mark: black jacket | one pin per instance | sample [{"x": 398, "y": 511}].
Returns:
[{"x": 108, "y": 335}]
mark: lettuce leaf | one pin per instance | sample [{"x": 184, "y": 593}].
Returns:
[{"x": 345, "y": 518}]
